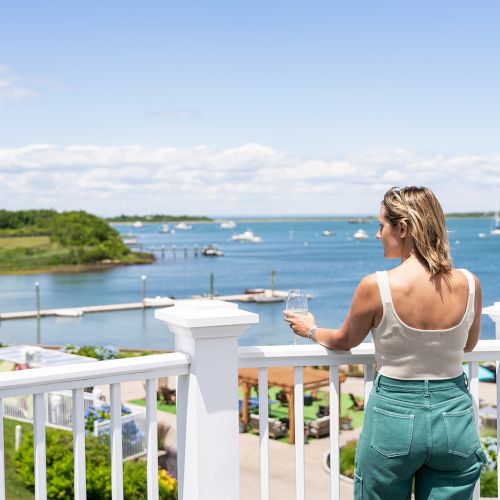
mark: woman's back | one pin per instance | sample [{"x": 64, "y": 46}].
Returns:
[
  {"x": 425, "y": 303},
  {"x": 424, "y": 324}
]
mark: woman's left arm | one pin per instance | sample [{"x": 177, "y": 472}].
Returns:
[{"x": 365, "y": 303}]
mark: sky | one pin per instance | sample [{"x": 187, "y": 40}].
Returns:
[{"x": 232, "y": 108}]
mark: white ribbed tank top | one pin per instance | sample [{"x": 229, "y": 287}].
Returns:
[{"x": 408, "y": 353}]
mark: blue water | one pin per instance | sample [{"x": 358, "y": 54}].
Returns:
[{"x": 328, "y": 267}]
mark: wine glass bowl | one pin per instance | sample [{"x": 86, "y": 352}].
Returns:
[{"x": 297, "y": 303}]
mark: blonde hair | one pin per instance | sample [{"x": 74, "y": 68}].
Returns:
[{"x": 420, "y": 209}]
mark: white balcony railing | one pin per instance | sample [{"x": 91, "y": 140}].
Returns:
[{"x": 206, "y": 364}]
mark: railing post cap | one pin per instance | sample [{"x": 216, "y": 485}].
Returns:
[
  {"x": 205, "y": 313},
  {"x": 492, "y": 311}
]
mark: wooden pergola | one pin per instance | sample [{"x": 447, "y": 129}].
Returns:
[{"x": 281, "y": 377}]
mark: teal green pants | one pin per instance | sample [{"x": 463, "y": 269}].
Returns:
[{"x": 422, "y": 431}]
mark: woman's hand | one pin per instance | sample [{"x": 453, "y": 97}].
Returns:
[{"x": 299, "y": 324}]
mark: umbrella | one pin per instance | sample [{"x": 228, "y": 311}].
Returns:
[{"x": 485, "y": 375}]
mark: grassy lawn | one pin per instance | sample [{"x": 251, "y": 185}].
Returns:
[
  {"x": 278, "y": 410},
  {"x": 25, "y": 242},
  {"x": 15, "y": 488}
]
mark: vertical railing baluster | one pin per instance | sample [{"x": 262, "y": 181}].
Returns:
[
  {"x": 79, "y": 445},
  {"x": 334, "y": 433},
  {"x": 264, "y": 434},
  {"x": 298, "y": 379},
  {"x": 474, "y": 390},
  {"x": 2, "y": 455},
  {"x": 116, "y": 442},
  {"x": 40, "y": 447},
  {"x": 152, "y": 438}
]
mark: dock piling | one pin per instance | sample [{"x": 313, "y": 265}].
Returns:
[
  {"x": 143, "y": 290},
  {"x": 211, "y": 291},
  {"x": 37, "y": 295},
  {"x": 273, "y": 282}
]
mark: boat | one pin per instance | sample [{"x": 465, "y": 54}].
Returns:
[
  {"x": 228, "y": 224},
  {"x": 130, "y": 241},
  {"x": 495, "y": 230},
  {"x": 247, "y": 236},
  {"x": 327, "y": 232},
  {"x": 165, "y": 229},
  {"x": 137, "y": 224},
  {"x": 268, "y": 298},
  {"x": 253, "y": 291},
  {"x": 358, "y": 220},
  {"x": 361, "y": 234},
  {"x": 183, "y": 226},
  {"x": 212, "y": 251},
  {"x": 481, "y": 235}
]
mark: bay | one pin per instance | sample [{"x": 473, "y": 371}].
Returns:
[{"x": 327, "y": 267}]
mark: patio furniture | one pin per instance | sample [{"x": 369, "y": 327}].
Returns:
[
  {"x": 319, "y": 427},
  {"x": 357, "y": 403},
  {"x": 276, "y": 427}
]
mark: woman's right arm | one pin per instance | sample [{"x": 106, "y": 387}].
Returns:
[{"x": 475, "y": 329}]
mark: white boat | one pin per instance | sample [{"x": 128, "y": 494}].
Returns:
[
  {"x": 165, "y": 229},
  {"x": 183, "y": 226},
  {"x": 327, "y": 232},
  {"x": 137, "y": 223},
  {"x": 228, "y": 224},
  {"x": 265, "y": 298},
  {"x": 495, "y": 230},
  {"x": 481, "y": 235},
  {"x": 248, "y": 236},
  {"x": 361, "y": 234},
  {"x": 130, "y": 241},
  {"x": 212, "y": 251}
]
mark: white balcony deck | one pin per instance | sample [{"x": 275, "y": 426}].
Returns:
[{"x": 206, "y": 363}]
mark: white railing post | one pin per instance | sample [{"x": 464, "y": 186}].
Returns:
[{"x": 207, "y": 398}]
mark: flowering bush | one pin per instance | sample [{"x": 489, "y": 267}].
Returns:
[
  {"x": 489, "y": 445},
  {"x": 60, "y": 480},
  {"x": 93, "y": 351},
  {"x": 167, "y": 485}
]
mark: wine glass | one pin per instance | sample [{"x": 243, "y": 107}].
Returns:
[{"x": 297, "y": 304}]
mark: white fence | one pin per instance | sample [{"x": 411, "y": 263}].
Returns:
[
  {"x": 206, "y": 365},
  {"x": 58, "y": 408}
]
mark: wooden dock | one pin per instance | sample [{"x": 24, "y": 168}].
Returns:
[
  {"x": 272, "y": 296},
  {"x": 79, "y": 311}
]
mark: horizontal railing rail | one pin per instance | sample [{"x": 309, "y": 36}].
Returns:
[
  {"x": 40, "y": 380},
  {"x": 316, "y": 355}
]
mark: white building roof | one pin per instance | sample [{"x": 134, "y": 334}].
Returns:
[{"x": 38, "y": 357}]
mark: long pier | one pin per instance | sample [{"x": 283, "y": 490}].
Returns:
[{"x": 263, "y": 297}]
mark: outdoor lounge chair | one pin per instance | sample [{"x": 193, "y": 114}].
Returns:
[
  {"x": 277, "y": 428},
  {"x": 319, "y": 427},
  {"x": 357, "y": 403}
]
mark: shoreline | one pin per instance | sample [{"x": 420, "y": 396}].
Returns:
[{"x": 70, "y": 268}]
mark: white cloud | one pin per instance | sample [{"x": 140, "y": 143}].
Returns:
[
  {"x": 12, "y": 86},
  {"x": 250, "y": 179}
]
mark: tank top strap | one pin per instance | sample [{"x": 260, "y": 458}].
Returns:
[
  {"x": 472, "y": 289},
  {"x": 383, "y": 286}
]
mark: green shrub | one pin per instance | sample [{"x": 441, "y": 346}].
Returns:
[
  {"x": 98, "y": 468},
  {"x": 489, "y": 484},
  {"x": 347, "y": 455}
]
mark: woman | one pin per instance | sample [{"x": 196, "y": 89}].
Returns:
[{"x": 419, "y": 421}]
